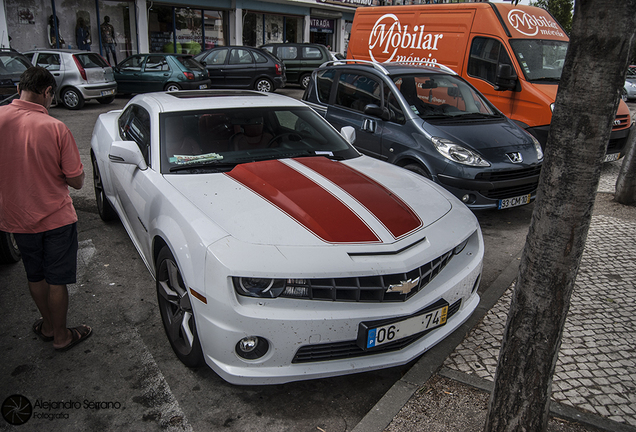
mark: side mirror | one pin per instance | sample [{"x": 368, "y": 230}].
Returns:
[
  {"x": 348, "y": 133},
  {"x": 127, "y": 152},
  {"x": 376, "y": 111},
  {"x": 506, "y": 78}
]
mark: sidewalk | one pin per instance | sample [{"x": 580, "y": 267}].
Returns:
[{"x": 594, "y": 385}]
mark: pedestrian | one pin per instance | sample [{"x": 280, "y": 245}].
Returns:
[
  {"x": 108, "y": 40},
  {"x": 39, "y": 159}
]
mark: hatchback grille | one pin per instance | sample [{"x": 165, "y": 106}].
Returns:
[
  {"x": 350, "y": 349},
  {"x": 509, "y": 192},
  {"x": 366, "y": 288}
]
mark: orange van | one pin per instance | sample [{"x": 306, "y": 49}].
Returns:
[{"x": 513, "y": 55}]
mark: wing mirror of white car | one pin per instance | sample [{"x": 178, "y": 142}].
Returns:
[
  {"x": 127, "y": 152},
  {"x": 348, "y": 133}
]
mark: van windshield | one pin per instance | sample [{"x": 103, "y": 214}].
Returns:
[
  {"x": 540, "y": 60},
  {"x": 440, "y": 95}
]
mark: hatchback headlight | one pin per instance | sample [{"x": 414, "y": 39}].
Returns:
[
  {"x": 259, "y": 287},
  {"x": 457, "y": 153},
  {"x": 537, "y": 146}
]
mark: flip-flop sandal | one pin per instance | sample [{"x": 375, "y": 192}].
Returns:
[
  {"x": 37, "y": 329},
  {"x": 80, "y": 334}
]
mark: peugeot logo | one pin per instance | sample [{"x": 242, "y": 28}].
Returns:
[
  {"x": 404, "y": 287},
  {"x": 515, "y": 157}
]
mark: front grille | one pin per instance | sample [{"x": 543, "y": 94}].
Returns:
[
  {"x": 509, "y": 192},
  {"x": 350, "y": 349},
  {"x": 624, "y": 121},
  {"x": 495, "y": 176},
  {"x": 366, "y": 288}
]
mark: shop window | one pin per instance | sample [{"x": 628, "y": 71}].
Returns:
[{"x": 121, "y": 16}]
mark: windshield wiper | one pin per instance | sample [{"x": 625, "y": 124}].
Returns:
[
  {"x": 216, "y": 165},
  {"x": 477, "y": 115},
  {"x": 551, "y": 79}
]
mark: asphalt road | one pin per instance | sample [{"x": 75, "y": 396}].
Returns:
[{"x": 126, "y": 376}]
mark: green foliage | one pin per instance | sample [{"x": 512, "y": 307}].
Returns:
[{"x": 562, "y": 10}]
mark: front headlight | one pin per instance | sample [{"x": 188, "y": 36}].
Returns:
[
  {"x": 537, "y": 146},
  {"x": 552, "y": 107},
  {"x": 259, "y": 287},
  {"x": 457, "y": 153}
]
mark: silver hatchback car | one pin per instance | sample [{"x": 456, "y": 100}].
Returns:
[{"x": 80, "y": 75}]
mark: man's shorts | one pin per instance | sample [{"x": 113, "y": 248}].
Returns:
[{"x": 50, "y": 255}]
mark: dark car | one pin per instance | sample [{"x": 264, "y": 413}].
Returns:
[
  {"x": 12, "y": 64},
  {"x": 431, "y": 121},
  {"x": 300, "y": 59},
  {"x": 243, "y": 67},
  {"x": 143, "y": 73}
]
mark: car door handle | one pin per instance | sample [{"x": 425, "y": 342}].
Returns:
[
  {"x": 166, "y": 74},
  {"x": 57, "y": 74},
  {"x": 369, "y": 125}
]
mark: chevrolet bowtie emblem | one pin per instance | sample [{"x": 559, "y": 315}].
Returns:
[{"x": 404, "y": 287}]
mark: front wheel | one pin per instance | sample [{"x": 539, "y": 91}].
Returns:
[
  {"x": 172, "y": 87},
  {"x": 417, "y": 169},
  {"x": 9, "y": 252},
  {"x": 264, "y": 85},
  {"x": 72, "y": 98},
  {"x": 176, "y": 311},
  {"x": 104, "y": 208}
]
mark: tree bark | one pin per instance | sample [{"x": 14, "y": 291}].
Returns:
[
  {"x": 626, "y": 181},
  {"x": 593, "y": 74}
]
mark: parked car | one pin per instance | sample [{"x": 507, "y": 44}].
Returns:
[
  {"x": 300, "y": 59},
  {"x": 431, "y": 121},
  {"x": 281, "y": 253},
  {"x": 240, "y": 67},
  {"x": 142, "y": 73},
  {"x": 80, "y": 75},
  {"x": 629, "y": 90},
  {"x": 9, "y": 252},
  {"x": 12, "y": 64}
]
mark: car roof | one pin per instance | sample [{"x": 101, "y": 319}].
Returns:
[
  {"x": 391, "y": 68},
  {"x": 215, "y": 99},
  {"x": 61, "y": 50}
]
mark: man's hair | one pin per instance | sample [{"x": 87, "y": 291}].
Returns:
[{"x": 36, "y": 79}]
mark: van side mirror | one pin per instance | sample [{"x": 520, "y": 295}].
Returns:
[
  {"x": 376, "y": 111},
  {"x": 506, "y": 78}
]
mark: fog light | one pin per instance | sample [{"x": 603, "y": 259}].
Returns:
[
  {"x": 465, "y": 198},
  {"x": 252, "y": 347}
]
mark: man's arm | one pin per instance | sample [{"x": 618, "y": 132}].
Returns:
[{"x": 76, "y": 182}]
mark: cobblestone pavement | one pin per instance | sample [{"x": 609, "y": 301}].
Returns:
[{"x": 596, "y": 370}]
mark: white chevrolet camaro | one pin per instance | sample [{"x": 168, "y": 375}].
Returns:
[{"x": 279, "y": 252}]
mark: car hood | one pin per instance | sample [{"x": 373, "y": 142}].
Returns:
[
  {"x": 316, "y": 201},
  {"x": 492, "y": 139}
]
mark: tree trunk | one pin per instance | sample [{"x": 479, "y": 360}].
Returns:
[
  {"x": 626, "y": 182},
  {"x": 593, "y": 74}
]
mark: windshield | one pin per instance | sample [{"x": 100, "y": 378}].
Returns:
[
  {"x": 540, "y": 60},
  {"x": 217, "y": 140},
  {"x": 438, "y": 95}
]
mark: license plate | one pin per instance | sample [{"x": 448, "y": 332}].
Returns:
[
  {"x": 514, "y": 202},
  {"x": 108, "y": 92},
  {"x": 612, "y": 157},
  {"x": 203, "y": 86},
  {"x": 370, "y": 336}
]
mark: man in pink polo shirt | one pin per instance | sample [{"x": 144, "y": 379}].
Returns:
[{"x": 39, "y": 159}]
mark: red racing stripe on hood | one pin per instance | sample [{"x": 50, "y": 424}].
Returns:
[
  {"x": 390, "y": 210},
  {"x": 305, "y": 201}
]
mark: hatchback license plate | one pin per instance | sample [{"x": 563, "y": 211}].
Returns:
[
  {"x": 611, "y": 157},
  {"x": 108, "y": 92},
  {"x": 399, "y": 329},
  {"x": 203, "y": 86},
  {"x": 514, "y": 202}
]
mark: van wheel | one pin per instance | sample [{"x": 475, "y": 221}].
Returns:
[
  {"x": 304, "y": 80},
  {"x": 418, "y": 169},
  {"x": 72, "y": 99}
]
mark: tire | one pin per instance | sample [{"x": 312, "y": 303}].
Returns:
[
  {"x": 264, "y": 85},
  {"x": 104, "y": 208},
  {"x": 106, "y": 100},
  {"x": 9, "y": 252},
  {"x": 417, "y": 169},
  {"x": 172, "y": 87},
  {"x": 304, "y": 81},
  {"x": 176, "y": 311},
  {"x": 72, "y": 98}
]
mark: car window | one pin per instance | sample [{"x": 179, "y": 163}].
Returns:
[
  {"x": 287, "y": 52},
  {"x": 486, "y": 54},
  {"x": 269, "y": 49},
  {"x": 324, "y": 82},
  {"x": 355, "y": 91},
  {"x": 156, "y": 64},
  {"x": 224, "y": 138},
  {"x": 50, "y": 61},
  {"x": 312, "y": 53},
  {"x": 11, "y": 64},
  {"x": 132, "y": 64},
  {"x": 260, "y": 58},
  {"x": 134, "y": 125},
  {"x": 190, "y": 63},
  {"x": 216, "y": 57},
  {"x": 240, "y": 56},
  {"x": 91, "y": 60}
]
